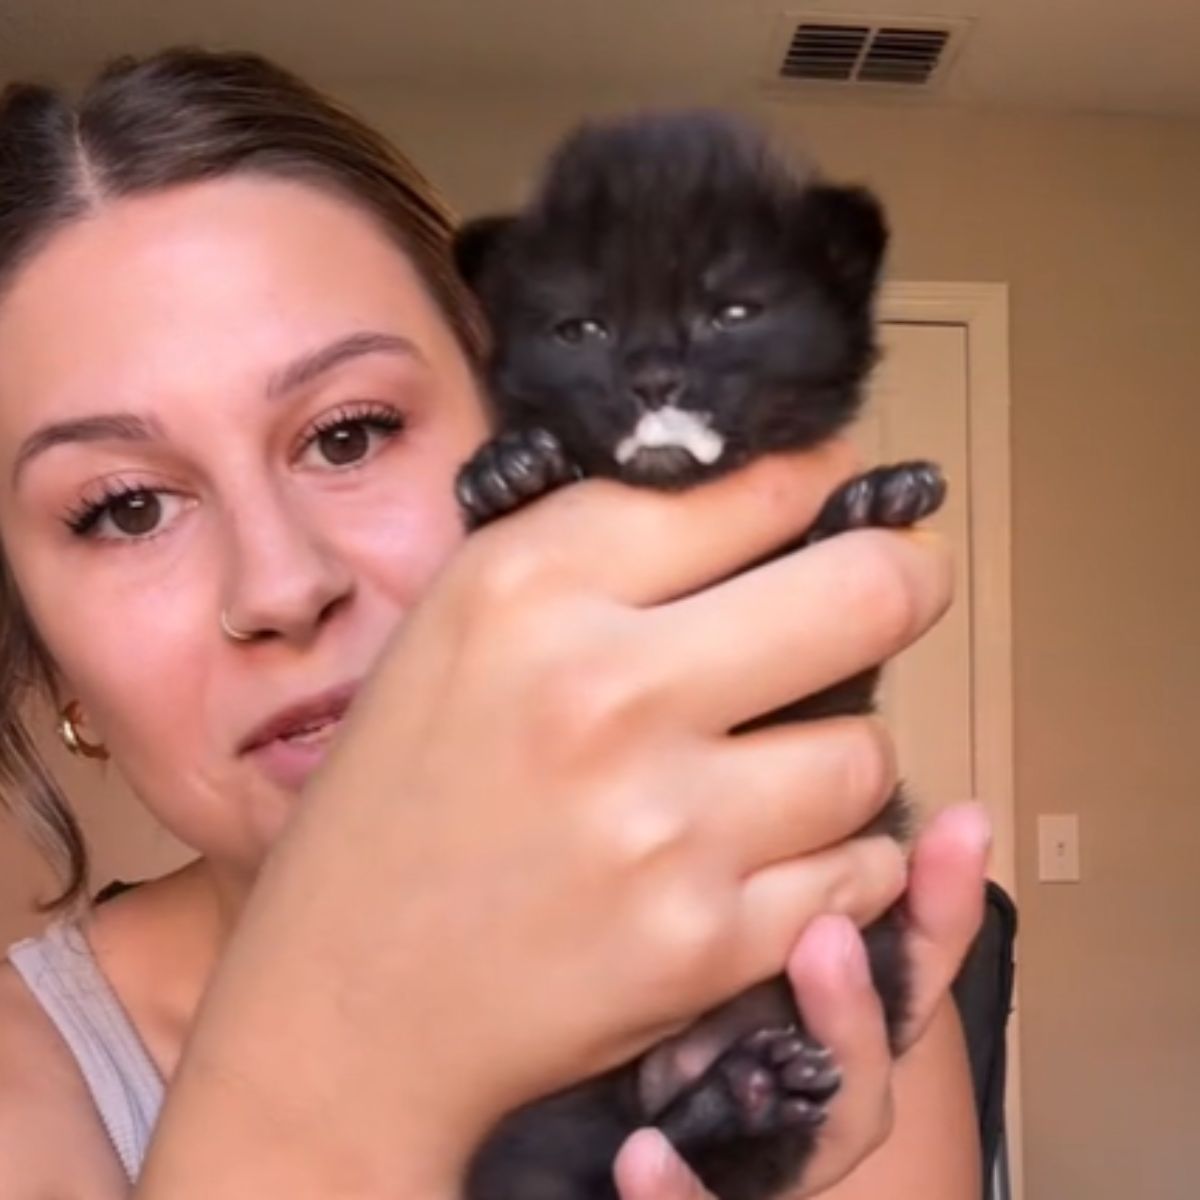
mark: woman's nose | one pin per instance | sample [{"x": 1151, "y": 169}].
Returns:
[{"x": 285, "y": 577}]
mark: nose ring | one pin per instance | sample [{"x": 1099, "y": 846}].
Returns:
[{"x": 232, "y": 633}]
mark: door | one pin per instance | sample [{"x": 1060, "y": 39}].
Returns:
[
  {"x": 918, "y": 409},
  {"x": 947, "y": 700}
]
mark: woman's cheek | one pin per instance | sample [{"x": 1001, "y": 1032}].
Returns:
[
  {"x": 399, "y": 537},
  {"x": 149, "y": 678}
]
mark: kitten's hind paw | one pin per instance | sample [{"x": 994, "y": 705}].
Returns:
[
  {"x": 770, "y": 1081},
  {"x": 887, "y": 497},
  {"x": 506, "y": 473}
]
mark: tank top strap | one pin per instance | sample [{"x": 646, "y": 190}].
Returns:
[{"x": 60, "y": 970}]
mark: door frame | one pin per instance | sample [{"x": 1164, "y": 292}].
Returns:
[{"x": 983, "y": 310}]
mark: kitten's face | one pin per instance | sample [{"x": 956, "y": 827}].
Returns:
[
  {"x": 651, "y": 372},
  {"x": 667, "y": 329}
]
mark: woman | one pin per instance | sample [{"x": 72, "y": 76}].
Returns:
[{"x": 236, "y": 379}]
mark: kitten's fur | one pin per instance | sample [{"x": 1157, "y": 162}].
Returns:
[
  {"x": 673, "y": 262},
  {"x": 650, "y": 225}
]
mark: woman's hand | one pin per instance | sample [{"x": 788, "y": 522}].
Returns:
[
  {"x": 828, "y": 971},
  {"x": 535, "y": 851},
  {"x": 831, "y": 978},
  {"x": 552, "y": 739}
]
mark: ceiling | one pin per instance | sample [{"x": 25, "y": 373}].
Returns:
[{"x": 1136, "y": 56}]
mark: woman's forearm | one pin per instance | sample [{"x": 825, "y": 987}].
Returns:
[{"x": 272, "y": 1097}]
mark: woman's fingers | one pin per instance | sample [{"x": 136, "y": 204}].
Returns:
[
  {"x": 643, "y": 546},
  {"x": 841, "y": 1009},
  {"x": 648, "y": 1168},
  {"x": 798, "y": 788},
  {"x": 945, "y": 905},
  {"x": 859, "y": 880},
  {"x": 828, "y": 969},
  {"x": 739, "y": 650}
]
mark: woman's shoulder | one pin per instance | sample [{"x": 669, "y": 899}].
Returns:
[{"x": 52, "y": 1141}]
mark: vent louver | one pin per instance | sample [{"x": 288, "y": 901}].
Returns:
[{"x": 825, "y": 52}]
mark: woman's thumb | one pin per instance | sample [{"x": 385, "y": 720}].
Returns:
[{"x": 648, "y": 1168}]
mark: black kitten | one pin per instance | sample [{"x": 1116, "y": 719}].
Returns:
[{"x": 673, "y": 303}]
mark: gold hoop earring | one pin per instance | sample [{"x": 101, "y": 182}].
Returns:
[
  {"x": 234, "y": 635},
  {"x": 69, "y": 721}
]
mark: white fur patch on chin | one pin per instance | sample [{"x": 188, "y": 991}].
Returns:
[{"x": 674, "y": 427}]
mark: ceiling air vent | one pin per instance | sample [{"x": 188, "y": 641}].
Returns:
[
  {"x": 888, "y": 52},
  {"x": 903, "y": 55},
  {"x": 825, "y": 52}
]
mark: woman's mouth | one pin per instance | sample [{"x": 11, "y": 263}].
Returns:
[
  {"x": 316, "y": 733},
  {"x": 289, "y": 747},
  {"x": 288, "y": 760}
]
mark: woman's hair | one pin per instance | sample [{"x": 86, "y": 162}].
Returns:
[{"x": 179, "y": 116}]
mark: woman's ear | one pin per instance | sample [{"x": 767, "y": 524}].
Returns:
[{"x": 476, "y": 243}]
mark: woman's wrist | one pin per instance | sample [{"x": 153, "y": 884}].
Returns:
[
  {"x": 274, "y": 1095},
  {"x": 261, "y": 1105}
]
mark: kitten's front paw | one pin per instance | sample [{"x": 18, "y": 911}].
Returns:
[
  {"x": 770, "y": 1081},
  {"x": 509, "y": 471},
  {"x": 887, "y": 497}
]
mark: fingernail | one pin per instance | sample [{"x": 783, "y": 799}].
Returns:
[
  {"x": 855, "y": 957},
  {"x": 844, "y": 945},
  {"x": 975, "y": 824},
  {"x": 660, "y": 1158}
]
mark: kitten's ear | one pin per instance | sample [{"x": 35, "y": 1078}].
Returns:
[
  {"x": 846, "y": 227},
  {"x": 476, "y": 241}
]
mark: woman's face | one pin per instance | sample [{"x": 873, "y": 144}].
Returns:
[{"x": 233, "y": 396}]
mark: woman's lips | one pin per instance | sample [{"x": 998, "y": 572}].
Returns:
[
  {"x": 290, "y": 745},
  {"x": 304, "y": 715},
  {"x": 289, "y": 760}
]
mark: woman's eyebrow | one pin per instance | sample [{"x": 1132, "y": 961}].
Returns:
[
  {"x": 102, "y": 427},
  {"x": 129, "y": 427},
  {"x": 307, "y": 367}
]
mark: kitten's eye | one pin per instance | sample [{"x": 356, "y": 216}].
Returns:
[
  {"x": 729, "y": 315},
  {"x": 580, "y": 329}
]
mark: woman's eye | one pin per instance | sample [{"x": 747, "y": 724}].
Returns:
[
  {"x": 126, "y": 514},
  {"x": 580, "y": 329},
  {"x": 136, "y": 514},
  {"x": 345, "y": 440},
  {"x": 344, "y": 444},
  {"x": 729, "y": 315}
]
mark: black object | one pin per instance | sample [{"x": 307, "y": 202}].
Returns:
[{"x": 983, "y": 992}]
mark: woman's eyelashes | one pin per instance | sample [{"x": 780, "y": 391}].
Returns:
[
  {"x": 124, "y": 511},
  {"x": 350, "y": 435}
]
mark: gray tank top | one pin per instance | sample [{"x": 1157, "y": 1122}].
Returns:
[{"x": 65, "y": 979}]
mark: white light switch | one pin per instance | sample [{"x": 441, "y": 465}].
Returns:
[{"x": 1058, "y": 848}]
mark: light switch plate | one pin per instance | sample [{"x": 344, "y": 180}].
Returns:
[{"x": 1058, "y": 848}]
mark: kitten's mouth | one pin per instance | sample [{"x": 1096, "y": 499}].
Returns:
[{"x": 671, "y": 429}]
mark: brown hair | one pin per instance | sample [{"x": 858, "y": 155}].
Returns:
[{"x": 175, "y": 117}]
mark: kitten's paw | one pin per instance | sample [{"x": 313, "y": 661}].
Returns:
[
  {"x": 509, "y": 471},
  {"x": 887, "y": 497},
  {"x": 908, "y": 493},
  {"x": 770, "y": 1081},
  {"x": 780, "y": 1079}
]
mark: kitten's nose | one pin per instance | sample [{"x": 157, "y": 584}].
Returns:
[{"x": 656, "y": 387}]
